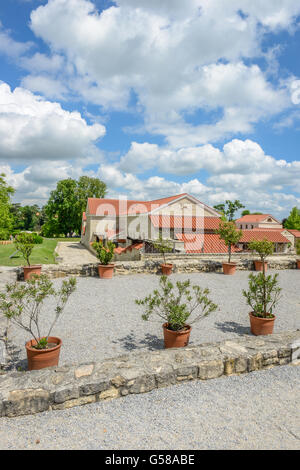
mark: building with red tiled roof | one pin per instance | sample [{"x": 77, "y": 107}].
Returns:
[
  {"x": 188, "y": 223},
  {"x": 131, "y": 221},
  {"x": 261, "y": 221}
]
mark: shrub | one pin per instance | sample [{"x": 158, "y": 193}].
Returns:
[
  {"x": 25, "y": 242},
  {"x": 263, "y": 294},
  {"x": 297, "y": 246},
  {"x": 22, "y": 304},
  {"x": 4, "y": 234},
  {"x": 176, "y": 304},
  {"x": 104, "y": 253}
]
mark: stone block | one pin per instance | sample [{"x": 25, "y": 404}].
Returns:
[
  {"x": 210, "y": 369},
  {"x": 29, "y": 401}
]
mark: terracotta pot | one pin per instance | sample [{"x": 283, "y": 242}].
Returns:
[
  {"x": 229, "y": 268},
  {"x": 259, "y": 265},
  {"x": 166, "y": 269},
  {"x": 298, "y": 263},
  {"x": 261, "y": 326},
  {"x": 106, "y": 271},
  {"x": 29, "y": 271},
  {"x": 176, "y": 339},
  {"x": 41, "y": 358}
]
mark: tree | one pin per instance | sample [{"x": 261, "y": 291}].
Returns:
[
  {"x": 27, "y": 217},
  {"x": 6, "y": 218},
  {"x": 245, "y": 212},
  {"x": 163, "y": 246},
  {"x": 230, "y": 234},
  {"x": 263, "y": 248},
  {"x": 88, "y": 187},
  {"x": 293, "y": 220},
  {"x": 67, "y": 203},
  {"x": 229, "y": 208}
]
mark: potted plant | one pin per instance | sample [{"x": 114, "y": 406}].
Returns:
[
  {"x": 24, "y": 243},
  {"x": 105, "y": 255},
  {"x": 175, "y": 305},
  {"x": 231, "y": 235},
  {"x": 262, "y": 296},
  {"x": 264, "y": 248},
  {"x": 22, "y": 305},
  {"x": 164, "y": 246},
  {"x": 298, "y": 252}
]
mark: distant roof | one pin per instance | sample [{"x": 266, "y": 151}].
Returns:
[
  {"x": 255, "y": 218},
  {"x": 274, "y": 236}
]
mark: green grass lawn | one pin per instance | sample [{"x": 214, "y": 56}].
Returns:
[{"x": 42, "y": 254}]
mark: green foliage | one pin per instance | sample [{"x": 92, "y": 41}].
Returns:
[
  {"x": 229, "y": 208},
  {"x": 176, "y": 304},
  {"x": 263, "y": 294},
  {"x": 22, "y": 304},
  {"x": 104, "y": 253},
  {"x": 67, "y": 203},
  {"x": 6, "y": 218},
  {"x": 297, "y": 246},
  {"x": 245, "y": 212},
  {"x": 263, "y": 248},
  {"x": 163, "y": 246},
  {"x": 293, "y": 220},
  {"x": 25, "y": 242},
  {"x": 230, "y": 234},
  {"x": 27, "y": 217}
]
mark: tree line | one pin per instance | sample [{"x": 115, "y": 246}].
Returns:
[{"x": 60, "y": 216}]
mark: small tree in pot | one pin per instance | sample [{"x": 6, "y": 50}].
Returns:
[
  {"x": 175, "y": 305},
  {"x": 262, "y": 296},
  {"x": 105, "y": 254},
  {"x": 25, "y": 243},
  {"x": 164, "y": 246},
  {"x": 22, "y": 305},
  {"x": 263, "y": 248},
  {"x": 231, "y": 236}
]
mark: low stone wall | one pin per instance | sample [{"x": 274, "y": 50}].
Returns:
[
  {"x": 63, "y": 387},
  {"x": 151, "y": 265},
  {"x": 6, "y": 242}
]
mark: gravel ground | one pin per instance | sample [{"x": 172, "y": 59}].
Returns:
[
  {"x": 254, "y": 411},
  {"x": 102, "y": 320}
]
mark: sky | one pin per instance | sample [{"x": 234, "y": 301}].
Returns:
[{"x": 154, "y": 98}]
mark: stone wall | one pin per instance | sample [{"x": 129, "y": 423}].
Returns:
[
  {"x": 151, "y": 264},
  {"x": 63, "y": 387}
]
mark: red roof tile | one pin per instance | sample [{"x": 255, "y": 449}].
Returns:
[
  {"x": 114, "y": 207},
  {"x": 204, "y": 243},
  {"x": 185, "y": 222},
  {"x": 274, "y": 236}
]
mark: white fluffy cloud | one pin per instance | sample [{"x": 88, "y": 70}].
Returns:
[
  {"x": 177, "y": 56},
  {"x": 10, "y": 47},
  {"x": 32, "y": 128}
]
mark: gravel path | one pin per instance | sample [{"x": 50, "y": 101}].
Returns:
[
  {"x": 102, "y": 320},
  {"x": 254, "y": 411},
  {"x": 74, "y": 253}
]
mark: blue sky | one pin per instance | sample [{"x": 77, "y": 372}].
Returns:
[{"x": 155, "y": 98}]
